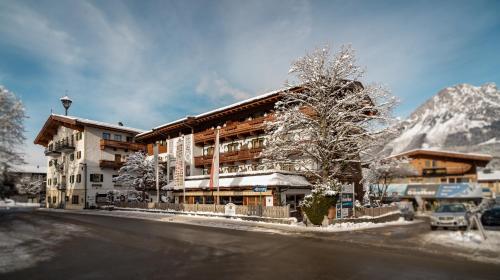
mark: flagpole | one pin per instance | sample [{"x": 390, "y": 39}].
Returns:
[{"x": 217, "y": 163}]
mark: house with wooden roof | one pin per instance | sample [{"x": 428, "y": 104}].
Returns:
[{"x": 442, "y": 167}]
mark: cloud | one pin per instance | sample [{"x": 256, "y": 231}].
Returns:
[{"x": 217, "y": 88}]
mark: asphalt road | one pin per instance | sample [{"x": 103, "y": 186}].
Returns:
[{"x": 72, "y": 246}]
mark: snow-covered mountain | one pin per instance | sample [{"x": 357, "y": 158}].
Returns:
[{"x": 462, "y": 118}]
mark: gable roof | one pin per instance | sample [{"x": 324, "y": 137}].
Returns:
[
  {"x": 50, "y": 127},
  {"x": 265, "y": 98},
  {"x": 443, "y": 153}
]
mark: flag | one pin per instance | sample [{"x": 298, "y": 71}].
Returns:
[{"x": 214, "y": 171}]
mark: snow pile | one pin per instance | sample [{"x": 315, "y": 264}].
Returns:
[
  {"x": 11, "y": 203},
  {"x": 350, "y": 226},
  {"x": 465, "y": 240}
]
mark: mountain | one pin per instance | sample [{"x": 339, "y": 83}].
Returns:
[{"x": 461, "y": 118}]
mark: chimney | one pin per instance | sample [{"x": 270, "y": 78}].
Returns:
[{"x": 120, "y": 123}]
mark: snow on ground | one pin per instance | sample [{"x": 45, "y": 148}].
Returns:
[
  {"x": 349, "y": 226},
  {"x": 11, "y": 203},
  {"x": 23, "y": 243},
  {"x": 468, "y": 244}
]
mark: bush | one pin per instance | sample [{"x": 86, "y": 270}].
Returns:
[{"x": 316, "y": 204}]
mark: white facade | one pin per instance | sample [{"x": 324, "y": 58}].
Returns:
[{"x": 76, "y": 175}]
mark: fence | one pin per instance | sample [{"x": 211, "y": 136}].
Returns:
[
  {"x": 374, "y": 212},
  {"x": 246, "y": 210}
]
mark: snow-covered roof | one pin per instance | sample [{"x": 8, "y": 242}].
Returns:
[
  {"x": 29, "y": 169},
  {"x": 437, "y": 152},
  {"x": 488, "y": 175},
  {"x": 221, "y": 109},
  {"x": 248, "y": 180},
  {"x": 98, "y": 123}
]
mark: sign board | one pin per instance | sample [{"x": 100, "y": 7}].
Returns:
[
  {"x": 259, "y": 188},
  {"x": 347, "y": 200},
  {"x": 230, "y": 209},
  {"x": 463, "y": 190},
  {"x": 347, "y": 188},
  {"x": 422, "y": 190},
  {"x": 269, "y": 201}
]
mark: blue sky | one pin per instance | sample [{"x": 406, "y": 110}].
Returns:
[{"x": 149, "y": 62}]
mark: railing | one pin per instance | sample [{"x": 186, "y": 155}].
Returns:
[
  {"x": 64, "y": 145},
  {"x": 121, "y": 145},
  {"x": 245, "y": 210},
  {"x": 110, "y": 164},
  {"x": 233, "y": 156},
  {"x": 375, "y": 212},
  {"x": 233, "y": 130}
]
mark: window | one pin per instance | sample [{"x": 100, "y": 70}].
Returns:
[
  {"x": 451, "y": 180},
  {"x": 72, "y": 178},
  {"x": 78, "y": 178},
  {"x": 129, "y": 138},
  {"x": 443, "y": 180},
  {"x": 427, "y": 163},
  {"x": 49, "y": 182},
  {"x": 79, "y": 154},
  {"x": 66, "y": 198},
  {"x": 74, "y": 199},
  {"x": 53, "y": 199},
  {"x": 106, "y": 135},
  {"x": 55, "y": 181},
  {"x": 208, "y": 151},
  {"x": 258, "y": 143},
  {"x": 233, "y": 147},
  {"x": 117, "y": 137},
  {"x": 232, "y": 169},
  {"x": 72, "y": 157},
  {"x": 79, "y": 136},
  {"x": 96, "y": 177}
]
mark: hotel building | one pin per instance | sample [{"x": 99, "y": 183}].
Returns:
[
  {"x": 187, "y": 147},
  {"x": 83, "y": 156}
]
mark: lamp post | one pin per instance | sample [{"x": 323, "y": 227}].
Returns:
[{"x": 66, "y": 102}]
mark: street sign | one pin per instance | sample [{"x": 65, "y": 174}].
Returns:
[{"x": 260, "y": 189}]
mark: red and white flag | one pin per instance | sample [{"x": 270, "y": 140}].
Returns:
[{"x": 214, "y": 171}]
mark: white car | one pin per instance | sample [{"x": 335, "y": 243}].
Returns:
[{"x": 449, "y": 216}]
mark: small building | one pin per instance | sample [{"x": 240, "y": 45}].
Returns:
[
  {"x": 443, "y": 167},
  {"x": 30, "y": 174},
  {"x": 490, "y": 179}
]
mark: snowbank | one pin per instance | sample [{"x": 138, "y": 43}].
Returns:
[{"x": 467, "y": 240}]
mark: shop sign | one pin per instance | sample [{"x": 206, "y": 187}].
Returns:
[
  {"x": 260, "y": 189},
  {"x": 422, "y": 190},
  {"x": 459, "y": 190}
]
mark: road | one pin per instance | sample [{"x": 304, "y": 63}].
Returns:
[{"x": 56, "y": 245}]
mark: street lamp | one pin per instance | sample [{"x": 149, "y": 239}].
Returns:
[{"x": 66, "y": 102}]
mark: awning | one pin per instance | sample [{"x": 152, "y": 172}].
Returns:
[{"x": 268, "y": 180}]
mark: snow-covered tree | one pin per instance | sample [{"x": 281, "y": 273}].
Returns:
[
  {"x": 28, "y": 187},
  {"x": 12, "y": 117},
  {"x": 327, "y": 127},
  {"x": 138, "y": 172},
  {"x": 382, "y": 172}
]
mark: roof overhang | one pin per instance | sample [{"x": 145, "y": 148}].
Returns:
[
  {"x": 51, "y": 126},
  {"x": 479, "y": 159}
]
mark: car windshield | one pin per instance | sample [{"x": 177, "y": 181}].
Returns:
[{"x": 453, "y": 208}]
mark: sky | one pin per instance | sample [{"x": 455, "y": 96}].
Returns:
[{"x": 145, "y": 63}]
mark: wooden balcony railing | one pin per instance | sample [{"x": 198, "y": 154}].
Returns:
[
  {"x": 227, "y": 157},
  {"x": 121, "y": 145},
  {"x": 233, "y": 130},
  {"x": 110, "y": 164}
]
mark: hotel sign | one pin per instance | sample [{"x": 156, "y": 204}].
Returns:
[
  {"x": 422, "y": 190},
  {"x": 260, "y": 189}
]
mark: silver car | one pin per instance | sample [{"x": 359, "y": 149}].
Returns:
[{"x": 449, "y": 216}]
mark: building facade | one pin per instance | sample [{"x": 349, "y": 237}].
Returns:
[
  {"x": 83, "y": 156},
  {"x": 443, "y": 167},
  {"x": 490, "y": 179},
  {"x": 187, "y": 147},
  {"x": 29, "y": 174}
]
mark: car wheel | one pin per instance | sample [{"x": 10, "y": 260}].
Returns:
[{"x": 434, "y": 227}]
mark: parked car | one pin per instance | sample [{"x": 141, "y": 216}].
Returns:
[
  {"x": 449, "y": 216},
  {"x": 491, "y": 217}
]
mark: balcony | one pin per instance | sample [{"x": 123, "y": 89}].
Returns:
[
  {"x": 64, "y": 146},
  {"x": 121, "y": 145},
  {"x": 110, "y": 164},
  {"x": 444, "y": 171},
  {"x": 49, "y": 151},
  {"x": 233, "y": 130},
  {"x": 228, "y": 157}
]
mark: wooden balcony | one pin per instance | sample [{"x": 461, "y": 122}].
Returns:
[
  {"x": 233, "y": 130},
  {"x": 228, "y": 157},
  {"x": 110, "y": 164},
  {"x": 121, "y": 145}
]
